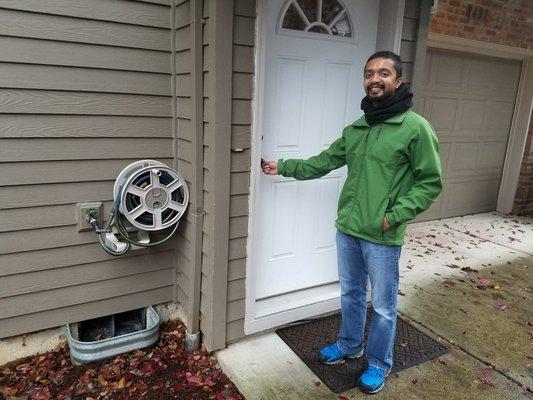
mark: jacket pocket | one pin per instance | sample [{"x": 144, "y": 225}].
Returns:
[{"x": 387, "y": 208}]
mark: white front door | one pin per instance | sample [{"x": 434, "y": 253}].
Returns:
[{"x": 313, "y": 55}]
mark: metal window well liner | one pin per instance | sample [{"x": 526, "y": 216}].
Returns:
[{"x": 106, "y": 337}]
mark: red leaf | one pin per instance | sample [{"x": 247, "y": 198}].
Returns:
[
  {"x": 486, "y": 376},
  {"x": 158, "y": 385},
  {"x": 209, "y": 382},
  {"x": 502, "y": 307},
  {"x": 448, "y": 282},
  {"x": 191, "y": 378},
  {"x": 44, "y": 394}
]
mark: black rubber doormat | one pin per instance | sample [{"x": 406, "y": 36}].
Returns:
[{"x": 412, "y": 347}]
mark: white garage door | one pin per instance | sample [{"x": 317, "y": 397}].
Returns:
[{"x": 469, "y": 100}]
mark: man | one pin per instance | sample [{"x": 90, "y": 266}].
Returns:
[{"x": 394, "y": 173}]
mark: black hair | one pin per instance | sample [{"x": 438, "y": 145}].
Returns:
[{"x": 389, "y": 55}]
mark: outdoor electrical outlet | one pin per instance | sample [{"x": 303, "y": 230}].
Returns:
[{"x": 82, "y": 209}]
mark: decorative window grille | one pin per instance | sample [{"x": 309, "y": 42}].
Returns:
[{"x": 328, "y": 17}]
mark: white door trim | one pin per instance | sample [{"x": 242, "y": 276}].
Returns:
[
  {"x": 251, "y": 323},
  {"x": 256, "y": 142},
  {"x": 517, "y": 139},
  {"x": 522, "y": 110}
]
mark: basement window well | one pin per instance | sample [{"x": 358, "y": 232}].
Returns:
[{"x": 105, "y": 337}]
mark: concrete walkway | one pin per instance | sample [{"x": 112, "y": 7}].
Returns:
[{"x": 467, "y": 281}]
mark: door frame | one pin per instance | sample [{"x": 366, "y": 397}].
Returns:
[
  {"x": 522, "y": 110},
  {"x": 251, "y": 323}
]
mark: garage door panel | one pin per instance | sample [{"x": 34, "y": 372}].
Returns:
[
  {"x": 447, "y": 69},
  {"x": 427, "y": 70},
  {"x": 471, "y": 117},
  {"x": 469, "y": 100},
  {"x": 462, "y": 159},
  {"x": 485, "y": 75},
  {"x": 441, "y": 113},
  {"x": 467, "y": 196},
  {"x": 491, "y": 156},
  {"x": 444, "y": 152},
  {"x": 466, "y": 160},
  {"x": 499, "y": 115},
  {"x": 432, "y": 212}
]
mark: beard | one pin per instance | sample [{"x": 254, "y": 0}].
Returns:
[{"x": 380, "y": 97}]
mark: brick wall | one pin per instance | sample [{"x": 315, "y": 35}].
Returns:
[{"x": 507, "y": 22}]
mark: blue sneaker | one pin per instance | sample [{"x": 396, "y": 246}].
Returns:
[
  {"x": 333, "y": 355},
  {"x": 372, "y": 380}
]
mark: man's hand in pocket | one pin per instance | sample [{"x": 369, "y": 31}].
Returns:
[{"x": 386, "y": 225}]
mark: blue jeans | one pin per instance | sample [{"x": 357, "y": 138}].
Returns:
[{"x": 358, "y": 260}]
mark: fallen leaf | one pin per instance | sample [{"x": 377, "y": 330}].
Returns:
[
  {"x": 502, "y": 307},
  {"x": 468, "y": 269},
  {"x": 483, "y": 283},
  {"x": 486, "y": 376},
  {"x": 317, "y": 383},
  {"x": 448, "y": 282},
  {"x": 442, "y": 362},
  {"x": 453, "y": 266},
  {"x": 191, "y": 378},
  {"x": 121, "y": 383},
  {"x": 43, "y": 394},
  {"x": 158, "y": 385},
  {"x": 101, "y": 380},
  {"x": 10, "y": 392},
  {"x": 209, "y": 382}
]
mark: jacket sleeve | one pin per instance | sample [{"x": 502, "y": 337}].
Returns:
[
  {"x": 426, "y": 168},
  {"x": 332, "y": 158}
]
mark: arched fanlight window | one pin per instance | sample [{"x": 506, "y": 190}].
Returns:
[{"x": 329, "y": 17}]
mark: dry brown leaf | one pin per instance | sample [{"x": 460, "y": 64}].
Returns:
[{"x": 121, "y": 383}]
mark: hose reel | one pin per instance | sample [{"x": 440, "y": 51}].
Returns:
[{"x": 149, "y": 197}]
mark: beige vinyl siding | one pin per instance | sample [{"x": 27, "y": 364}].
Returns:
[
  {"x": 242, "y": 94},
  {"x": 207, "y": 262},
  {"x": 85, "y": 89},
  {"x": 414, "y": 43},
  {"x": 241, "y": 118},
  {"x": 185, "y": 131},
  {"x": 217, "y": 163},
  {"x": 409, "y": 34}
]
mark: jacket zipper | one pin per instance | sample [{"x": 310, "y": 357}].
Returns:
[
  {"x": 360, "y": 169},
  {"x": 379, "y": 132}
]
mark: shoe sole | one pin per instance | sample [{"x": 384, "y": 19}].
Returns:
[
  {"x": 377, "y": 390},
  {"x": 342, "y": 359},
  {"x": 372, "y": 391}
]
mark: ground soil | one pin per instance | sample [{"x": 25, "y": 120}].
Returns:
[{"x": 164, "y": 371}]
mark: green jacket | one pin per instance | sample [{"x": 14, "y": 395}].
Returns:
[{"x": 394, "y": 172}]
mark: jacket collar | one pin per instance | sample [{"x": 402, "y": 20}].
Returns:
[{"x": 396, "y": 119}]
